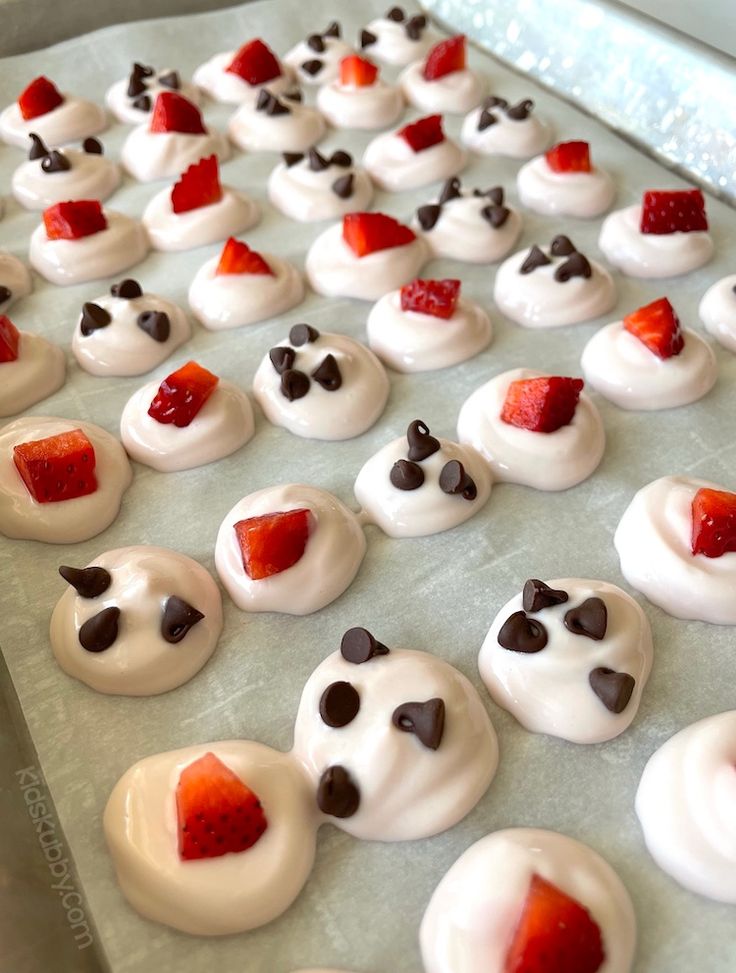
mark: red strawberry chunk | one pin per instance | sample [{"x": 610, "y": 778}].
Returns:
[
  {"x": 255, "y": 63},
  {"x": 182, "y": 394},
  {"x": 217, "y": 813},
  {"x": 357, "y": 72},
  {"x": 57, "y": 468},
  {"x": 74, "y": 220},
  {"x": 681, "y": 210},
  {"x": 273, "y": 542},
  {"x": 174, "y": 113},
  {"x": 444, "y": 58},
  {"x": 569, "y": 157},
  {"x": 198, "y": 186},
  {"x": 238, "y": 258},
  {"x": 40, "y": 97},
  {"x": 657, "y": 326},
  {"x": 436, "y": 297},
  {"x": 541, "y": 404},
  {"x": 555, "y": 934},
  {"x": 424, "y": 133},
  {"x": 366, "y": 233},
  {"x": 9, "y": 340},
  {"x": 714, "y": 522}
]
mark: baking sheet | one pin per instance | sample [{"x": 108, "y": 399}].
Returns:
[{"x": 362, "y": 906}]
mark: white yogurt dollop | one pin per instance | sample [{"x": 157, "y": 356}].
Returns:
[
  {"x": 366, "y": 107},
  {"x": 37, "y": 372},
  {"x": 516, "y": 138},
  {"x": 90, "y": 176},
  {"x": 308, "y": 194},
  {"x": 233, "y": 213},
  {"x": 455, "y": 93},
  {"x": 71, "y": 121},
  {"x": 718, "y": 311},
  {"x": 226, "y": 86},
  {"x": 395, "y": 166},
  {"x": 651, "y": 255},
  {"x": 150, "y": 155},
  {"x": 579, "y": 194}
]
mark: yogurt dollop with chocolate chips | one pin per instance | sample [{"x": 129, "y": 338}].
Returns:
[
  {"x": 316, "y": 59},
  {"x": 131, "y": 99},
  {"x": 312, "y": 186},
  {"x": 497, "y": 127},
  {"x": 54, "y": 175}
]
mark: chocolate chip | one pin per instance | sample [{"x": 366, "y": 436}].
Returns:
[
  {"x": 367, "y": 38},
  {"x": 87, "y": 582},
  {"x": 332, "y": 29},
  {"x": 291, "y": 158},
  {"x": 156, "y": 324},
  {"x": 99, "y": 632},
  {"x": 614, "y": 689},
  {"x": 93, "y": 146},
  {"x": 294, "y": 94},
  {"x": 428, "y": 215},
  {"x": 327, "y": 374},
  {"x": 454, "y": 480},
  {"x": 575, "y": 266},
  {"x": 127, "y": 289},
  {"x": 343, "y": 186},
  {"x": 315, "y": 42},
  {"x": 414, "y": 27},
  {"x": 317, "y": 161},
  {"x": 270, "y": 104},
  {"x": 521, "y": 111},
  {"x": 94, "y": 317},
  {"x": 337, "y": 794},
  {"x": 136, "y": 85},
  {"x": 495, "y": 215},
  {"x": 493, "y": 101},
  {"x": 178, "y": 618},
  {"x": 142, "y": 70},
  {"x": 5, "y": 293},
  {"x": 312, "y": 67},
  {"x": 495, "y": 194},
  {"x": 142, "y": 103},
  {"x": 294, "y": 384},
  {"x": 282, "y": 358},
  {"x": 451, "y": 190},
  {"x": 535, "y": 258},
  {"x": 38, "y": 147},
  {"x": 170, "y": 80},
  {"x": 590, "y": 619},
  {"x": 425, "y": 720},
  {"x": 486, "y": 119},
  {"x": 406, "y": 475},
  {"x": 341, "y": 158},
  {"x": 302, "y": 334},
  {"x": 359, "y": 646},
  {"x": 537, "y": 595},
  {"x": 396, "y": 14},
  {"x": 421, "y": 444},
  {"x": 521, "y": 634},
  {"x": 561, "y": 246},
  {"x": 339, "y": 704},
  {"x": 55, "y": 162}
]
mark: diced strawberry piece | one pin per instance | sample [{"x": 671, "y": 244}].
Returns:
[
  {"x": 366, "y": 233},
  {"x": 40, "y": 97},
  {"x": 238, "y": 258},
  {"x": 541, "y": 404},
  {"x": 57, "y": 468},
  {"x": 358, "y": 71},
  {"x": 555, "y": 934},
  {"x": 217, "y": 813},
  {"x": 569, "y": 157},
  {"x": 9, "y": 340},
  {"x": 436, "y": 297},
  {"x": 714, "y": 522},
  {"x": 175, "y": 113},
  {"x": 182, "y": 394},
  {"x": 444, "y": 58},
  {"x": 657, "y": 326},
  {"x": 74, "y": 220},
  {"x": 424, "y": 133},
  {"x": 273, "y": 542},
  {"x": 255, "y": 63},
  {"x": 198, "y": 186},
  {"x": 681, "y": 210}
]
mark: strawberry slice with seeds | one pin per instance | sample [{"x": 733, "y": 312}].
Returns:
[
  {"x": 255, "y": 63},
  {"x": 271, "y": 543},
  {"x": 445, "y": 58},
  {"x": 569, "y": 157},
  {"x": 39, "y": 98},
  {"x": 424, "y": 133},
  {"x": 57, "y": 468},
  {"x": 9, "y": 340},
  {"x": 198, "y": 186},
  {"x": 714, "y": 522},
  {"x": 238, "y": 258},
  {"x": 555, "y": 934},
  {"x": 175, "y": 113},
  {"x": 366, "y": 233},
  {"x": 673, "y": 211},
  {"x": 357, "y": 72},
  {"x": 74, "y": 220},
  {"x": 657, "y": 326},
  {"x": 217, "y": 813},
  {"x": 542, "y": 404},
  {"x": 182, "y": 394},
  {"x": 436, "y": 297}
]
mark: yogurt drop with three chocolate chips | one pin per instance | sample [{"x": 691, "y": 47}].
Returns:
[
  {"x": 398, "y": 38},
  {"x": 53, "y": 176},
  {"x": 137, "y": 621},
  {"x": 314, "y": 187},
  {"x": 131, "y": 99},
  {"x": 718, "y": 311},
  {"x": 316, "y": 59},
  {"x": 275, "y": 124},
  {"x": 497, "y": 127},
  {"x": 15, "y": 280}
]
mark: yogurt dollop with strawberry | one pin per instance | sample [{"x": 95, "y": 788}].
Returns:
[{"x": 442, "y": 82}]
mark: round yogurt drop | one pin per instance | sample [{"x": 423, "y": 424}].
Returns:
[
  {"x": 397, "y": 742},
  {"x": 718, "y": 311},
  {"x": 360, "y": 106},
  {"x": 316, "y": 59},
  {"x": 275, "y": 125},
  {"x": 685, "y": 805},
  {"x": 15, "y": 280},
  {"x": 312, "y": 187},
  {"x": 321, "y": 385},
  {"x": 455, "y": 91},
  {"x": 397, "y": 38},
  {"x": 70, "y": 120},
  {"x": 397, "y": 162},
  {"x": 549, "y": 289},
  {"x": 496, "y": 127},
  {"x": 238, "y": 77},
  {"x": 53, "y": 176},
  {"x": 334, "y": 550},
  {"x": 136, "y": 621},
  {"x": 131, "y": 99},
  {"x": 37, "y": 371},
  {"x": 477, "y": 910},
  {"x": 578, "y": 194},
  {"x": 569, "y": 658}
]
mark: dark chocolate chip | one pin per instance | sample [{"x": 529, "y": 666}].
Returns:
[
  {"x": 495, "y": 194},
  {"x": 317, "y": 161},
  {"x": 294, "y": 94},
  {"x": 294, "y": 384},
  {"x": 493, "y": 101},
  {"x": 94, "y": 317},
  {"x": 367, "y": 38},
  {"x": 590, "y": 619},
  {"x": 302, "y": 334},
  {"x": 337, "y": 794},
  {"x": 136, "y": 85},
  {"x": 486, "y": 119},
  {"x": 425, "y": 720},
  {"x": 406, "y": 475},
  {"x": 339, "y": 704},
  {"x": 454, "y": 480},
  {"x": 142, "y": 103},
  {"x": 315, "y": 42},
  {"x": 127, "y": 289},
  {"x": 521, "y": 111},
  {"x": 327, "y": 374},
  {"x": 5, "y": 294},
  {"x": 614, "y": 689},
  {"x": 341, "y": 158},
  {"x": 414, "y": 27},
  {"x": 575, "y": 266},
  {"x": 87, "y": 582},
  {"x": 270, "y": 104},
  {"x": 561, "y": 246},
  {"x": 170, "y": 79},
  {"x": 142, "y": 70},
  {"x": 178, "y": 618},
  {"x": 156, "y": 324},
  {"x": 55, "y": 161},
  {"x": 538, "y": 595},
  {"x": 312, "y": 67},
  {"x": 99, "y": 632},
  {"x": 451, "y": 190},
  {"x": 282, "y": 358},
  {"x": 342, "y": 187},
  {"x": 291, "y": 158},
  {"x": 93, "y": 146},
  {"x": 535, "y": 258},
  {"x": 521, "y": 634},
  {"x": 421, "y": 444},
  {"x": 38, "y": 147},
  {"x": 428, "y": 215},
  {"x": 396, "y": 14},
  {"x": 359, "y": 646},
  {"x": 495, "y": 215},
  {"x": 332, "y": 29}
]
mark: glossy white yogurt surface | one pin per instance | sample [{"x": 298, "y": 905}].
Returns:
[
  {"x": 579, "y": 194},
  {"x": 456, "y": 93},
  {"x": 257, "y": 131},
  {"x": 150, "y": 155},
  {"x": 74, "y": 119},
  {"x": 516, "y": 138},
  {"x": 335, "y": 49},
  {"x": 37, "y": 372},
  {"x": 91, "y": 176},
  {"x": 223, "y": 85},
  {"x": 234, "y": 213},
  {"x": 462, "y": 233},
  {"x": 393, "y": 45},
  {"x": 122, "y": 107},
  {"x": 718, "y": 311},
  {"x": 395, "y": 166},
  {"x": 651, "y": 255},
  {"x": 364, "y": 107},
  {"x": 302, "y": 194}
]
